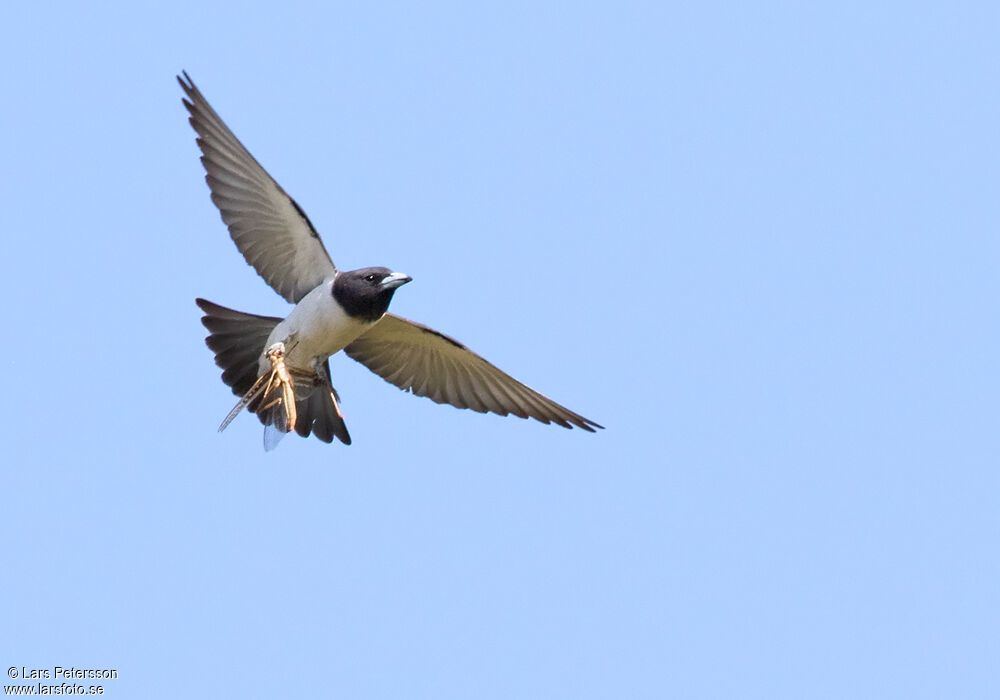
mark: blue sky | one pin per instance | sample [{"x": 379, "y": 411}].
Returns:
[{"x": 758, "y": 242}]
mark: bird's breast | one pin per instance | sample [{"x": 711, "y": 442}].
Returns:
[{"x": 315, "y": 329}]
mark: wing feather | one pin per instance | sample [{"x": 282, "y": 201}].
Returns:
[
  {"x": 418, "y": 359},
  {"x": 269, "y": 227}
]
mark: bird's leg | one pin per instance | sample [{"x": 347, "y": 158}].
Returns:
[{"x": 319, "y": 368}]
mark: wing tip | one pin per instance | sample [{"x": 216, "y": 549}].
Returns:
[{"x": 185, "y": 82}]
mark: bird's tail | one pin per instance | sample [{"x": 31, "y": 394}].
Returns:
[{"x": 238, "y": 339}]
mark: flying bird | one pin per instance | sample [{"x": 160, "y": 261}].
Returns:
[{"x": 280, "y": 368}]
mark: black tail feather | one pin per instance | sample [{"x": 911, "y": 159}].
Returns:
[{"x": 238, "y": 339}]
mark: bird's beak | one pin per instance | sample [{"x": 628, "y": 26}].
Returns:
[{"x": 396, "y": 279}]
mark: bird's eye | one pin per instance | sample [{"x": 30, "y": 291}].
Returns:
[{"x": 370, "y": 278}]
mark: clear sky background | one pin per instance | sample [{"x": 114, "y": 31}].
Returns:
[{"x": 757, "y": 241}]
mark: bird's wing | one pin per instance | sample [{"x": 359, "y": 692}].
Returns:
[
  {"x": 419, "y": 359},
  {"x": 268, "y": 226}
]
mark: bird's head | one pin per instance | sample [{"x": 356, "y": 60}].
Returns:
[{"x": 366, "y": 293}]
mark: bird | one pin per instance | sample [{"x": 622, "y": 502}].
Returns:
[{"x": 279, "y": 367}]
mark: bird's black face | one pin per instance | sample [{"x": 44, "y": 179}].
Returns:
[{"x": 366, "y": 293}]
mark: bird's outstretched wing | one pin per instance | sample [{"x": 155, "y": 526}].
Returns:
[
  {"x": 419, "y": 359},
  {"x": 268, "y": 226}
]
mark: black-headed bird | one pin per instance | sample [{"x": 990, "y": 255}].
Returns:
[{"x": 280, "y": 368}]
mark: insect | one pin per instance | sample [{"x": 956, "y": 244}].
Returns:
[{"x": 273, "y": 390}]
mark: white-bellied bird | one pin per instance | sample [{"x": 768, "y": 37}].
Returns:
[{"x": 280, "y": 368}]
